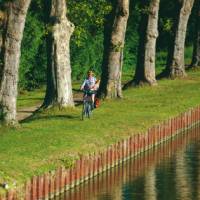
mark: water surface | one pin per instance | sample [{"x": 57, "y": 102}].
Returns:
[{"x": 169, "y": 172}]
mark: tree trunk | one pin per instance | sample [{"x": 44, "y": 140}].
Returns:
[
  {"x": 17, "y": 11},
  {"x": 3, "y": 22},
  {"x": 145, "y": 69},
  {"x": 59, "y": 86},
  {"x": 196, "y": 50},
  {"x": 112, "y": 70},
  {"x": 176, "y": 63}
]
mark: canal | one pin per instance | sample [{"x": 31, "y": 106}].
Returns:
[{"x": 169, "y": 172}]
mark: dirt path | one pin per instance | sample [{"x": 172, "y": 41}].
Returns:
[{"x": 26, "y": 112}]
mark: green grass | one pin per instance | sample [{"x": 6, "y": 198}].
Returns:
[
  {"x": 57, "y": 137},
  {"x": 29, "y": 99}
]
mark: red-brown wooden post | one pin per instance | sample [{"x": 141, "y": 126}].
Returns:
[
  {"x": 62, "y": 179},
  {"x": 146, "y": 142},
  {"x": 156, "y": 135},
  {"x": 94, "y": 166},
  {"x": 161, "y": 132},
  {"x": 137, "y": 144},
  {"x": 46, "y": 185},
  {"x": 67, "y": 179},
  {"x": 142, "y": 142},
  {"x": 150, "y": 139},
  {"x": 52, "y": 184},
  {"x": 172, "y": 127},
  {"x": 130, "y": 146},
  {"x": 134, "y": 145},
  {"x": 98, "y": 164},
  {"x": 104, "y": 159},
  {"x": 40, "y": 187},
  {"x": 120, "y": 151},
  {"x": 81, "y": 169},
  {"x": 10, "y": 195},
  {"x": 77, "y": 172},
  {"x": 57, "y": 182},
  {"x": 34, "y": 188},
  {"x": 115, "y": 154},
  {"x": 28, "y": 190},
  {"x": 91, "y": 166}
]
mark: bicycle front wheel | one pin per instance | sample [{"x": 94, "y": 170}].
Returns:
[{"x": 89, "y": 109}]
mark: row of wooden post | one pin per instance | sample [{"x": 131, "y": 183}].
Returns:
[
  {"x": 112, "y": 180},
  {"x": 54, "y": 183}
]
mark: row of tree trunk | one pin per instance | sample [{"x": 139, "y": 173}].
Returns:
[{"x": 59, "y": 87}]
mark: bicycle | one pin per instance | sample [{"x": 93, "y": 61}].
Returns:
[{"x": 87, "y": 104}]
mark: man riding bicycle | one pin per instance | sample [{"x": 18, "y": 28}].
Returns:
[{"x": 90, "y": 85}]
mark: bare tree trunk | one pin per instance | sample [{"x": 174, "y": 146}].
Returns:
[
  {"x": 111, "y": 76},
  {"x": 17, "y": 11},
  {"x": 3, "y": 22},
  {"x": 196, "y": 50},
  {"x": 4, "y": 12},
  {"x": 176, "y": 63},
  {"x": 59, "y": 86},
  {"x": 145, "y": 70}
]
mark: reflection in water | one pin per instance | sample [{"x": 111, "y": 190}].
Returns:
[
  {"x": 150, "y": 184},
  {"x": 170, "y": 172},
  {"x": 182, "y": 179}
]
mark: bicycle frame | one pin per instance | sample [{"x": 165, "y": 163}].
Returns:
[{"x": 87, "y": 105}]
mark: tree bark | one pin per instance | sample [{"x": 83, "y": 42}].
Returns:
[
  {"x": 196, "y": 50},
  {"x": 59, "y": 86},
  {"x": 4, "y": 11},
  {"x": 145, "y": 69},
  {"x": 17, "y": 11},
  {"x": 176, "y": 63},
  {"x": 110, "y": 86}
]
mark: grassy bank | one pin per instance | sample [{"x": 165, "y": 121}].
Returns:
[{"x": 55, "y": 138}]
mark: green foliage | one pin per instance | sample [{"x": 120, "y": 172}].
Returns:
[
  {"x": 33, "y": 59},
  {"x": 88, "y": 38},
  {"x": 132, "y": 38},
  {"x": 88, "y": 17},
  {"x": 87, "y": 57}
]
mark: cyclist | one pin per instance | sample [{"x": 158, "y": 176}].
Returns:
[{"x": 89, "y": 84}]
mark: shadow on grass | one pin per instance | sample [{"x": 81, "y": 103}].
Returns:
[
  {"x": 39, "y": 114},
  {"x": 31, "y": 98},
  {"x": 24, "y": 111},
  {"x": 49, "y": 117}
]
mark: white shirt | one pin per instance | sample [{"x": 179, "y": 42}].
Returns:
[{"x": 88, "y": 83}]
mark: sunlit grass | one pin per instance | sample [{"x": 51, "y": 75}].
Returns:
[
  {"x": 43, "y": 142},
  {"x": 57, "y": 137}
]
